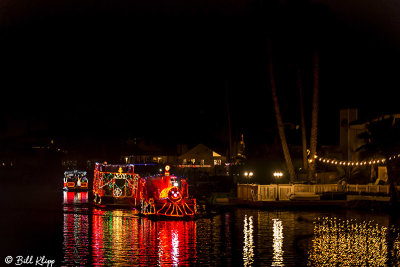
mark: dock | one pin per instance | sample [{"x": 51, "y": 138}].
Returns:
[{"x": 287, "y": 204}]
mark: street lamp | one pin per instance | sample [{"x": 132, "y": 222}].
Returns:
[
  {"x": 248, "y": 175},
  {"x": 251, "y": 174},
  {"x": 277, "y": 174}
]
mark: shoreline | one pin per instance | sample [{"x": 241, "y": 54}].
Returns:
[{"x": 362, "y": 205}]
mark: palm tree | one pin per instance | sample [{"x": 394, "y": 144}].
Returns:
[
  {"x": 281, "y": 128},
  {"x": 314, "y": 119},
  {"x": 303, "y": 123},
  {"x": 228, "y": 112}
]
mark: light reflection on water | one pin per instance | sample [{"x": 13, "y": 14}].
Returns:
[
  {"x": 75, "y": 197},
  {"x": 278, "y": 243},
  {"x": 353, "y": 243},
  {"x": 248, "y": 243},
  {"x": 244, "y": 237},
  {"x": 122, "y": 239},
  {"x": 76, "y": 230}
]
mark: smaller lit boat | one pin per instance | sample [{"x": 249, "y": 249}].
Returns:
[
  {"x": 166, "y": 196},
  {"x": 75, "y": 181},
  {"x": 114, "y": 184}
]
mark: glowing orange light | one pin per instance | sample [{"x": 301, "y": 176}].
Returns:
[{"x": 165, "y": 191}]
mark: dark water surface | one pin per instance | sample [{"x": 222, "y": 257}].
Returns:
[{"x": 69, "y": 231}]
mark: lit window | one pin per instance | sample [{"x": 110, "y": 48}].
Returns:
[
  {"x": 193, "y": 161},
  {"x": 184, "y": 161},
  {"x": 217, "y": 162}
]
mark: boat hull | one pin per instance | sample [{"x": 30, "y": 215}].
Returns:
[
  {"x": 76, "y": 189},
  {"x": 112, "y": 201}
]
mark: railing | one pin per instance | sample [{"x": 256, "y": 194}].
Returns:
[{"x": 256, "y": 192}]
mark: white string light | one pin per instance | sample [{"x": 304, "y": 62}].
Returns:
[{"x": 352, "y": 163}]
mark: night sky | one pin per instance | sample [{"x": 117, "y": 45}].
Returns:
[{"x": 110, "y": 70}]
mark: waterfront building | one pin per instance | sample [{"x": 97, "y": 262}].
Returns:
[{"x": 205, "y": 158}]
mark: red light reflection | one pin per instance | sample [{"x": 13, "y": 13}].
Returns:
[
  {"x": 76, "y": 230},
  {"x": 75, "y": 197},
  {"x": 120, "y": 238},
  {"x": 176, "y": 242}
]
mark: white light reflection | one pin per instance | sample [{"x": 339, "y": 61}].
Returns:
[
  {"x": 77, "y": 198},
  {"x": 343, "y": 242},
  {"x": 175, "y": 249},
  {"x": 248, "y": 247},
  {"x": 277, "y": 243}
]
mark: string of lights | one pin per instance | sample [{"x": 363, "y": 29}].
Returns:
[{"x": 369, "y": 162}]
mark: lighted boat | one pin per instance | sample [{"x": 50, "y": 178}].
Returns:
[
  {"x": 166, "y": 196},
  {"x": 75, "y": 181},
  {"x": 115, "y": 184}
]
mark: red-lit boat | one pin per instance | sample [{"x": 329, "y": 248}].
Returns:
[
  {"x": 75, "y": 181},
  {"x": 115, "y": 184},
  {"x": 165, "y": 196}
]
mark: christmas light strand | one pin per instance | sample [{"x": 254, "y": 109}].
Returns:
[{"x": 369, "y": 162}]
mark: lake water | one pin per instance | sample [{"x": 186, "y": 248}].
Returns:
[{"x": 76, "y": 234}]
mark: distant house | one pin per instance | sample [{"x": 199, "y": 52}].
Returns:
[
  {"x": 144, "y": 151},
  {"x": 203, "y": 157}
]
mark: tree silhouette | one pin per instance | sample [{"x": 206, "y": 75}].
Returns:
[
  {"x": 281, "y": 128},
  {"x": 302, "y": 119},
  {"x": 382, "y": 139},
  {"x": 314, "y": 119}
]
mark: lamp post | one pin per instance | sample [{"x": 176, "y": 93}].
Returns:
[
  {"x": 277, "y": 174},
  {"x": 248, "y": 175}
]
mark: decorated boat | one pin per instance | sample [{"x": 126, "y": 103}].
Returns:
[
  {"x": 115, "y": 184},
  {"x": 166, "y": 196},
  {"x": 75, "y": 181}
]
